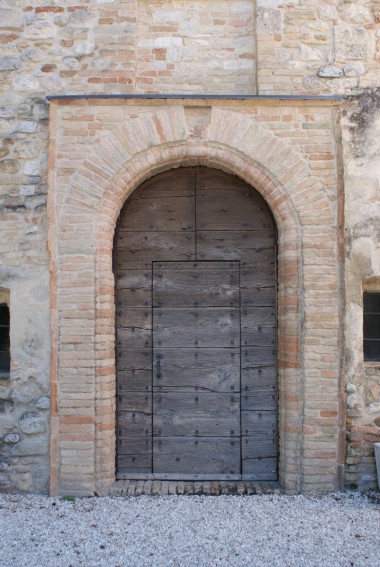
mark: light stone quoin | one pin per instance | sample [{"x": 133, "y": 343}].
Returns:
[{"x": 67, "y": 167}]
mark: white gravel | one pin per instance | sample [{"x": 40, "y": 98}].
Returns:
[{"x": 285, "y": 531}]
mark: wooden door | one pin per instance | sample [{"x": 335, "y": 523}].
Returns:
[
  {"x": 195, "y": 269},
  {"x": 196, "y": 377}
]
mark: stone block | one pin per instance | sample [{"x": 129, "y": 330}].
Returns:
[
  {"x": 8, "y": 63},
  {"x": 351, "y": 43},
  {"x": 32, "y": 422},
  {"x": 12, "y": 438},
  {"x": 11, "y": 18},
  {"x": 43, "y": 403},
  {"x": 268, "y": 21},
  {"x": 354, "y": 68},
  {"x": 25, "y": 83},
  {"x": 330, "y": 71}
]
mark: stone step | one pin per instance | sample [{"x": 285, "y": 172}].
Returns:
[{"x": 126, "y": 488}]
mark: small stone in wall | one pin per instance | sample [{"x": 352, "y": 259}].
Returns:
[
  {"x": 60, "y": 21},
  {"x": 268, "y": 21},
  {"x": 12, "y": 438},
  {"x": 11, "y": 18},
  {"x": 25, "y": 83},
  {"x": 330, "y": 71},
  {"x": 27, "y": 126},
  {"x": 354, "y": 69},
  {"x": 356, "y": 14},
  {"x": 27, "y": 190},
  {"x": 71, "y": 62},
  {"x": 32, "y": 167},
  {"x": 32, "y": 422},
  {"x": 39, "y": 30},
  {"x": 84, "y": 48},
  {"x": 80, "y": 17},
  {"x": 9, "y": 63},
  {"x": 328, "y": 12},
  {"x": 9, "y": 166},
  {"x": 350, "y": 43},
  {"x": 3, "y": 466},
  {"x": 310, "y": 54},
  {"x": 25, "y": 482},
  {"x": 3, "y": 151},
  {"x": 43, "y": 403}
]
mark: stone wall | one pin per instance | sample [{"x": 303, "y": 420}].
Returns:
[
  {"x": 361, "y": 121},
  {"x": 137, "y": 46},
  {"x": 317, "y": 46}
]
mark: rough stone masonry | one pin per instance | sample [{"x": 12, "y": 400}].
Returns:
[{"x": 317, "y": 164}]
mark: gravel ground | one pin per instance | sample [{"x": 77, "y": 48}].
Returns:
[{"x": 286, "y": 531}]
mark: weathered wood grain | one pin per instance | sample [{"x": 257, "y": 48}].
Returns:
[
  {"x": 208, "y": 178},
  {"x": 133, "y": 289},
  {"x": 130, "y": 464},
  {"x": 254, "y": 357},
  {"x": 134, "y": 424},
  {"x": 203, "y": 327},
  {"x": 134, "y": 380},
  {"x": 257, "y": 315},
  {"x": 196, "y": 414},
  {"x": 258, "y": 335},
  {"x": 262, "y": 445},
  {"x": 261, "y": 378},
  {"x": 134, "y": 358},
  {"x": 140, "y": 318},
  {"x": 135, "y": 402},
  {"x": 139, "y": 249},
  {"x": 129, "y": 445},
  {"x": 213, "y": 370},
  {"x": 205, "y": 455},
  {"x": 253, "y": 422},
  {"x": 134, "y": 329},
  {"x": 180, "y": 181},
  {"x": 237, "y": 208},
  {"x": 260, "y": 400},
  {"x": 133, "y": 338},
  {"x": 251, "y": 248},
  {"x": 253, "y": 295},
  {"x": 201, "y": 284},
  {"x": 161, "y": 208},
  {"x": 260, "y": 469},
  {"x": 131, "y": 279},
  {"x": 258, "y": 276}
]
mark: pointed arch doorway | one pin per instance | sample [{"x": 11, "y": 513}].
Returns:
[{"x": 195, "y": 272}]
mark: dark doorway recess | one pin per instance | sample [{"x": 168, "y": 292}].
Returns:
[{"x": 195, "y": 271}]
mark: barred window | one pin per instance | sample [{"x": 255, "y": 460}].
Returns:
[
  {"x": 371, "y": 326},
  {"x": 4, "y": 341}
]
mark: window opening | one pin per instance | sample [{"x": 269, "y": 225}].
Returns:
[
  {"x": 371, "y": 327},
  {"x": 4, "y": 341}
]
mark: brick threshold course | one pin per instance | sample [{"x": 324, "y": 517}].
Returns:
[{"x": 126, "y": 488}]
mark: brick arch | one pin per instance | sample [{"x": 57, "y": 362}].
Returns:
[
  {"x": 111, "y": 171},
  {"x": 289, "y": 307}
]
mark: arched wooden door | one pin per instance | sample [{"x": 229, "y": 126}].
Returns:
[{"x": 195, "y": 269}]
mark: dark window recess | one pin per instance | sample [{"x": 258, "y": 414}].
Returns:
[
  {"x": 4, "y": 339},
  {"x": 371, "y": 326}
]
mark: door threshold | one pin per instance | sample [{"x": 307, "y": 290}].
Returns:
[
  {"x": 136, "y": 487},
  {"x": 178, "y": 477}
]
